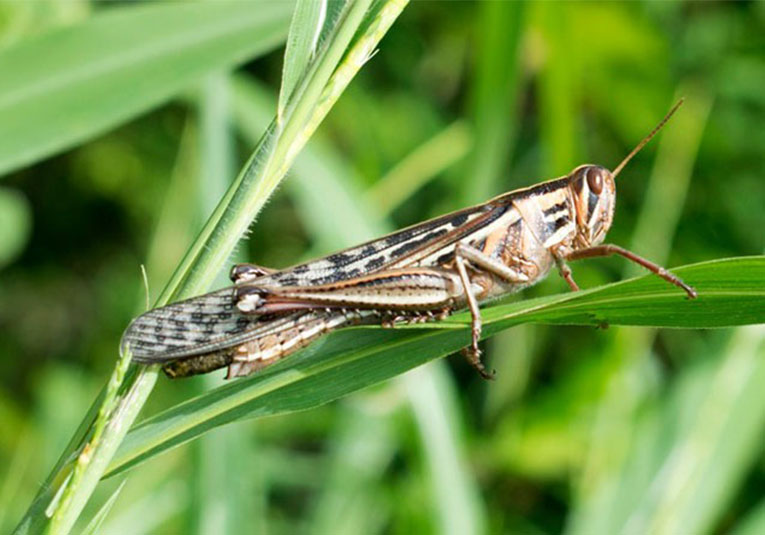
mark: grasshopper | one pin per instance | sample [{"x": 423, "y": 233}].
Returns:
[{"x": 421, "y": 273}]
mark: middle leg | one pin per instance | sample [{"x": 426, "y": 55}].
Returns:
[
  {"x": 472, "y": 353},
  {"x": 464, "y": 254}
]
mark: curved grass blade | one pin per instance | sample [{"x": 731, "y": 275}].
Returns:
[
  {"x": 302, "y": 40},
  {"x": 119, "y": 64},
  {"x": 341, "y": 220},
  {"x": 94, "y": 526},
  {"x": 731, "y": 292},
  {"x": 693, "y": 470},
  {"x": 329, "y": 76}
]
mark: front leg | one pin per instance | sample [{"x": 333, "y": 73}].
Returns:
[
  {"x": 609, "y": 249},
  {"x": 564, "y": 270}
]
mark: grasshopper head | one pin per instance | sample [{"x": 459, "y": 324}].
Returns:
[{"x": 594, "y": 193}]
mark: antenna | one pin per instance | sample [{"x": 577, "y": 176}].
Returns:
[{"x": 647, "y": 138}]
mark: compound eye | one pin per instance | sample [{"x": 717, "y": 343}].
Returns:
[{"x": 595, "y": 180}]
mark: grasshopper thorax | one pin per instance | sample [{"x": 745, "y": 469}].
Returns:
[{"x": 594, "y": 194}]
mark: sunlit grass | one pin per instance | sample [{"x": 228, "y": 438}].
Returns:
[{"x": 585, "y": 430}]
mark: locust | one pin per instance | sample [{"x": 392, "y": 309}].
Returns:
[{"x": 421, "y": 273}]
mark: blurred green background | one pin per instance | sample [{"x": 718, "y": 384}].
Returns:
[{"x": 583, "y": 432}]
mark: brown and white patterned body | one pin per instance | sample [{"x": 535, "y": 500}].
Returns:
[
  {"x": 419, "y": 273},
  {"x": 407, "y": 275}
]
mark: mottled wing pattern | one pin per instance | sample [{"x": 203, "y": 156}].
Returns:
[
  {"x": 211, "y": 322},
  {"x": 195, "y": 326}
]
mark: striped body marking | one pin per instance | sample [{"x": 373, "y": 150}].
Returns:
[{"x": 420, "y": 273}]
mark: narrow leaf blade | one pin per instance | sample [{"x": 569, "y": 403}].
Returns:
[
  {"x": 731, "y": 292},
  {"x": 94, "y": 526},
  {"x": 76, "y": 82},
  {"x": 303, "y": 37}
]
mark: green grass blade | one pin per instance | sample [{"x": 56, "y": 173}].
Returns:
[
  {"x": 315, "y": 175},
  {"x": 100, "y": 441},
  {"x": 609, "y": 446},
  {"x": 74, "y": 83},
  {"x": 15, "y": 224},
  {"x": 149, "y": 514},
  {"x": 432, "y": 393},
  {"x": 313, "y": 22},
  {"x": 329, "y": 76},
  {"x": 361, "y": 451},
  {"x": 731, "y": 292},
  {"x": 271, "y": 159},
  {"x": 213, "y": 456},
  {"x": 94, "y": 526},
  {"x": 713, "y": 442},
  {"x": 494, "y": 106},
  {"x": 308, "y": 26},
  {"x": 15, "y": 467},
  {"x": 340, "y": 220},
  {"x": 302, "y": 40},
  {"x": 557, "y": 92},
  {"x": 444, "y": 149},
  {"x": 753, "y": 523}
]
